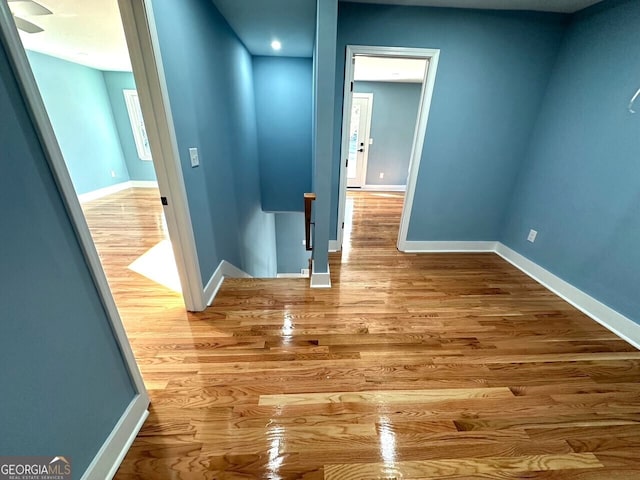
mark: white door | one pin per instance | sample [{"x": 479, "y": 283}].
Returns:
[{"x": 360, "y": 126}]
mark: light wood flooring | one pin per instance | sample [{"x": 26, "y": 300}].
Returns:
[{"x": 412, "y": 366}]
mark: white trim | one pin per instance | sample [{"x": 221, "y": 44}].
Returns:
[
  {"x": 103, "y": 192},
  {"x": 334, "y": 245},
  {"x": 138, "y": 129},
  {"x": 320, "y": 280},
  {"x": 108, "y": 459},
  {"x": 382, "y": 188},
  {"x": 143, "y": 183},
  {"x": 432, "y": 55},
  {"x": 446, "y": 247},
  {"x": 118, "y": 187},
  {"x": 224, "y": 270},
  {"x": 606, "y": 316},
  {"x": 31, "y": 95},
  {"x": 291, "y": 275},
  {"x": 142, "y": 40}
]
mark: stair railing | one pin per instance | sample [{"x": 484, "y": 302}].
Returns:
[{"x": 308, "y": 201}]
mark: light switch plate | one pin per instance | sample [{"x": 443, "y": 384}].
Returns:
[
  {"x": 532, "y": 235},
  {"x": 193, "y": 153}
]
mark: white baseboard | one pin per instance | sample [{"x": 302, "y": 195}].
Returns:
[
  {"x": 225, "y": 269},
  {"x": 334, "y": 246},
  {"x": 103, "y": 192},
  {"x": 143, "y": 183},
  {"x": 291, "y": 275},
  {"x": 108, "y": 459},
  {"x": 118, "y": 187},
  {"x": 606, "y": 316},
  {"x": 320, "y": 280},
  {"x": 383, "y": 188},
  {"x": 445, "y": 247}
]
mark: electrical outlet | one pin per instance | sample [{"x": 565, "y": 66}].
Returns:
[
  {"x": 113, "y": 174},
  {"x": 532, "y": 235},
  {"x": 381, "y": 174},
  {"x": 193, "y": 153}
]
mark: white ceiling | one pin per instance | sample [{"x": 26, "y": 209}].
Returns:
[
  {"x": 380, "y": 69},
  {"x": 559, "y": 6},
  {"x": 88, "y": 32}
]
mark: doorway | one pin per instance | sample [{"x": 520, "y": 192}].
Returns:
[
  {"x": 89, "y": 98},
  {"x": 425, "y": 63},
  {"x": 359, "y": 138}
]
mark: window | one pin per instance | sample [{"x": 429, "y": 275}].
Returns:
[{"x": 137, "y": 124}]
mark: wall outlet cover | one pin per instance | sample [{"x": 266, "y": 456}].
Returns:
[
  {"x": 532, "y": 235},
  {"x": 381, "y": 174}
]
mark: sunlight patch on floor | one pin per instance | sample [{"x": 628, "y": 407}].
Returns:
[{"x": 158, "y": 264}]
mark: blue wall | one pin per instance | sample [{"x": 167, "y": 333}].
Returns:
[
  {"x": 292, "y": 254},
  {"x": 64, "y": 382},
  {"x": 580, "y": 183},
  {"x": 209, "y": 78},
  {"x": 116, "y": 82},
  {"x": 393, "y": 124},
  {"x": 323, "y": 130},
  {"x": 494, "y": 67},
  {"x": 283, "y": 93},
  {"x": 78, "y": 106}
]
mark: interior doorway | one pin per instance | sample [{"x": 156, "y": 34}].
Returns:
[
  {"x": 90, "y": 96},
  {"x": 367, "y": 66},
  {"x": 359, "y": 138}
]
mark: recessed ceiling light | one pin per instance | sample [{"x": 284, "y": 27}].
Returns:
[{"x": 276, "y": 45}]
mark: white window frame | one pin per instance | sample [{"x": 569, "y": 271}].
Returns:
[{"x": 137, "y": 124}]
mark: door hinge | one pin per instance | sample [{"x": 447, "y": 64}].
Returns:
[
  {"x": 352, "y": 86},
  {"x": 346, "y": 162},
  {"x": 164, "y": 200},
  {"x": 342, "y": 224}
]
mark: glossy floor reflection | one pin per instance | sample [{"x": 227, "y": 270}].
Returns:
[{"x": 411, "y": 366}]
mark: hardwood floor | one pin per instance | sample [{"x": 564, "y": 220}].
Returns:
[{"x": 412, "y": 366}]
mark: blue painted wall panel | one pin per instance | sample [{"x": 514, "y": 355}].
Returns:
[
  {"x": 257, "y": 231},
  {"x": 208, "y": 74},
  {"x": 292, "y": 254},
  {"x": 494, "y": 67},
  {"x": 116, "y": 82},
  {"x": 323, "y": 140},
  {"x": 283, "y": 91},
  {"x": 393, "y": 124},
  {"x": 64, "y": 382},
  {"x": 580, "y": 184},
  {"x": 78, "y": 105}
]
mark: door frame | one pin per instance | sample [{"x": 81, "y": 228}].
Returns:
[
  {"x": 367, "y": 134},
  {"x": 109, "y": 456},
  {"x": 428, "y": 83},
  {"x": 141, "y": 33}
]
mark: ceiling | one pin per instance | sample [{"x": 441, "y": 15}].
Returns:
[
  {"x": 560, "y": 6},
  {"x": 88, "y": 32},
  {"x": 257, "y": 23},
  {"x": 380, "y": 69}
]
